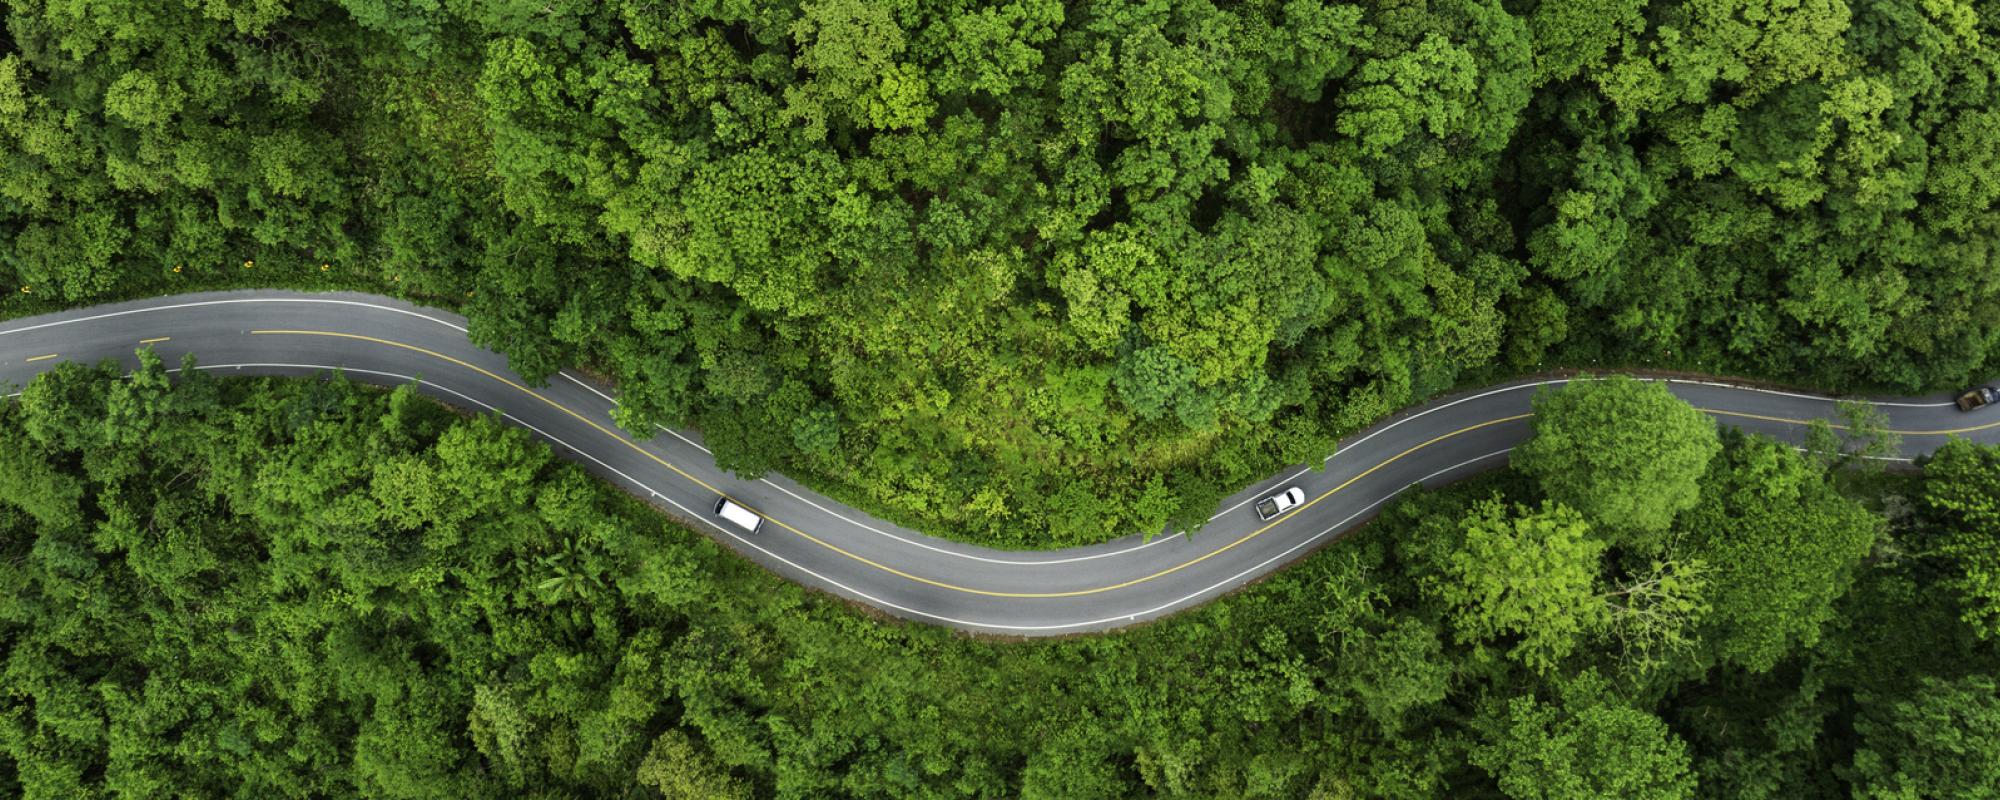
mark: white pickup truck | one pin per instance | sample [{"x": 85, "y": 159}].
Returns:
[{"x": 1280, "y": 503}]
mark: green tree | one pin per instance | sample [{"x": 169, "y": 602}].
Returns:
[
  {"x": 1864, "y": 440},
  {"x": 1626, "y": 453},
  {"x": 1784, "y": 546},
  {"x": 1584, "y": 745},
  {"x": 1527, "y": 577},
  {"x": 1960, "y": 507},
  {"x": 678, "y": 771},
  {"x": 1575, "y": 36},
  {"x": 1941, "y": 740}
]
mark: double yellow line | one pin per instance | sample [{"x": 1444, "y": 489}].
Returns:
[{"x": 620, "y": 438}]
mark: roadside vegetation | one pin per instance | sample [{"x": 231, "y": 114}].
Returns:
[
  {"x": 1035, "y": 273},
  {"x": 306, "y": 588}
]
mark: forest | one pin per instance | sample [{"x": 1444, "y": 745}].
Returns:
[
  {"x": 1034, "y": 273},
  {"x": 309, "y": 588}
]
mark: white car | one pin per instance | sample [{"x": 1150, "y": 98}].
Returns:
[
  {"x": 1280, "y": 503},
  {"x": 736, "y": 514}
]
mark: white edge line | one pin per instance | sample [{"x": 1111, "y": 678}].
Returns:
[
  {"x": 1171, "y": 537},
  {"x": 1253, "y": 496},
  {"x": 864, "y": 596},
  {"x": 1286, "y": 553},
  {"x": 889, "y": 534},
  {"x": 655, "y": 494},
  {"x": 234, "y": 301},
  {"x": 881, "y": 603},
  {"x": 1552, "y": 382},
  {"x": 1819, "y": 397},
  {"x": 963, "y": 623}
]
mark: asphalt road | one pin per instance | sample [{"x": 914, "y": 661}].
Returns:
[{"x": 829, "y": 546}]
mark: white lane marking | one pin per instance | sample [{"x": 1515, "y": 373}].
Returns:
[
  {"x": 1385, "y": 429},
  {"x": 993, "y": 626},
  {"x": 235, "y": 301},
  {"x": 1535, "y": 385},
  {"x": 1236, "y": 578},
  {"x": 1871, "y": 458},
  {"x": 405, "y": 378},
  {"x": 1820, "y": 397},
  {"x": 691, "y": 515},
  {"x": 1269, "y": 483},
  {"x": 945, "y": 550},
  {"x": 871, "y": 599},
  {"x": 879, "y": 602},
  {"x": 593, "y": 390},
  {"x": 1032, "y": 562}
]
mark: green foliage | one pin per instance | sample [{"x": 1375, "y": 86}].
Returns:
[
  {"x": 1655, "y": 613},
  {"x": 304, "y": 588},
  {"x": 1940, "y": 740},
  {"x": 1784, "y": 545},
  {"x": 1626, "y": 453},
  {"x": 678, "y": 771},
  {"x": 1525, "y": 575},
  {"x": 1583, "y": 746},
  {"x": 1032, "y": 273},
  {"x": 1574, "y": 36},
  {"x": 1960, "y": 506},
  {"x": 949, "y": 258}
]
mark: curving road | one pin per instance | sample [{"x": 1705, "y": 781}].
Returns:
[{"x": 820, "y": 543}]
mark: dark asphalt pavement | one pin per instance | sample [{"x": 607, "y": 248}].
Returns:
[{"x": 823, "y": 544}]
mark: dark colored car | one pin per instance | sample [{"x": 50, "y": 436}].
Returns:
[{"x": 1974, "y": 398}]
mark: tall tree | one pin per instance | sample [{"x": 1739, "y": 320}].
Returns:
[
  {"x": 1960, "y": 509},
  {"x": 1941, "y": 740},
  {"x": 1581, "y": 746},
  {"x": 1784, "y": 546},
  {"x": 1626, "y": 453},
  {"x": 1525, "y": 577}
]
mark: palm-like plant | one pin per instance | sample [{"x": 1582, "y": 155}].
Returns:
[{"x": 573, "y": 573}]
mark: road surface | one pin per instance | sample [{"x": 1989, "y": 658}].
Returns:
[{"x": 823, "y": 544}]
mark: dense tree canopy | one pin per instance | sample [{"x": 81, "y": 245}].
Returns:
[
  {"x": 1961, "y": 503},
  {"x": 954, "y": 258},
  {"x": 307, "y": 589},
  {"x": 1525, "y": 575},
  {"x": 1941, "y": 740},
  {"x": 1030, "y": 272},
  {"x": 1582, "y": 747},
  {"x": 1784, "y": 545}
]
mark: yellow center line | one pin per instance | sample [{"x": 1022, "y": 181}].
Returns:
[
  {"x": 862, "y": 559},
  {"x": 635, "y": 448},
  {"x": 622, "y": 439},
  {"x": 153, "y": 341},
  {"x": 1290, "y": 514},
  {"x": 1790, "y": 421},
  {"x": 42, "y": 358}
]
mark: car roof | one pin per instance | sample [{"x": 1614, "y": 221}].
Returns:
[{"x": 743, "y": 517}]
